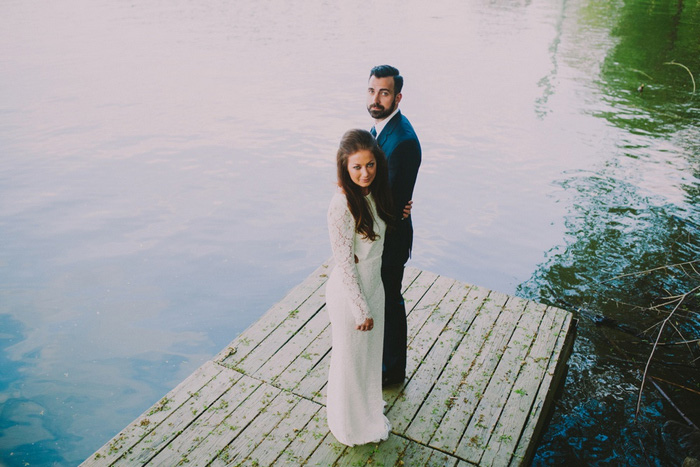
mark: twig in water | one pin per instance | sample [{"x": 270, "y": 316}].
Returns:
[
  {"x": 694, "y": 270},
  {"x": 675, "y": 384},
  {"x": 656, "y": 343},
  {"x": 666, "y": 344},
  {"x": 672, "y": 404},
  {"x": 673, "y": 62},
  {"x": 678, "y": 331},
  {"x": 688, "y": 263},
  {"x": 641, "y": 72}
]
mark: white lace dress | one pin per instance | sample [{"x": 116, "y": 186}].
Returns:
[{"x": 354, "y": 292}]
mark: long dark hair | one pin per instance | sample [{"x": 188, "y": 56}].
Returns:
[{"x": 352, "y": 142}]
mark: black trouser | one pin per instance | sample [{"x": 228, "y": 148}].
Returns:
[{"x": 394, "y": 357}]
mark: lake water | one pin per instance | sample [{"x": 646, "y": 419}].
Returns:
[{"x": 165, "y": 170}]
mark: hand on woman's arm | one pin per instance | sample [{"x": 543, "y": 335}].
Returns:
[{"x": 407, "y": 210}]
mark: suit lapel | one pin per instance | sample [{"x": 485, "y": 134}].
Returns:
[{"x": 389, "y": 128}]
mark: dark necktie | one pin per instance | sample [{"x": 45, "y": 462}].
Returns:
[{"x": 374, "y": 132}]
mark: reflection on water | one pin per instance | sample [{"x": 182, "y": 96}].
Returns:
[
  {"x": 166, "y": 171},
  {"x": 634, "y": 211}
]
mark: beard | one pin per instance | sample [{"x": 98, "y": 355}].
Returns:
[{"x": 380, "y": 113}]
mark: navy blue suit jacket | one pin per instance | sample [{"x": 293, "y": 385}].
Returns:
[{"x": 399, "y": 142}]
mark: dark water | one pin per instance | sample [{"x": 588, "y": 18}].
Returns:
[
  {"x": 165, "y": 171},
  {"x": 623, "y": 218}
]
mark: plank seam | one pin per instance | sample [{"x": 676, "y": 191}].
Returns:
[{"x": 432, "y": 448}]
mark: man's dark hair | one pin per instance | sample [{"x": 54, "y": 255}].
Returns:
[{"x": 384, "y": 71}]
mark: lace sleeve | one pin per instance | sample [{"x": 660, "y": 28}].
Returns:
[{"x": 341, "y": 227}]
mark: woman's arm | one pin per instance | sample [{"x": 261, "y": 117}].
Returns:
[{"x": 341, "y": 228}]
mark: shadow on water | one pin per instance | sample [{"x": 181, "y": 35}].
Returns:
[{"x": 629, "y": 246}]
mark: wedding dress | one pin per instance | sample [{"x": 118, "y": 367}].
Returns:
[{"x": 354, "y": 292}]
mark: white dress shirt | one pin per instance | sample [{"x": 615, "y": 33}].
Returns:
[{"x": 379, "y": 126}]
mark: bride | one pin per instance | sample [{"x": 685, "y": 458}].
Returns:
[{"x": 357, "y": 218}]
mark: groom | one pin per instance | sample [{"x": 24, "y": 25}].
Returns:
[{"x": 396, "y": 137}]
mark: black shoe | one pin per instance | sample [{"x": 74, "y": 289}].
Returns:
[{"x": 388, "y": 380}]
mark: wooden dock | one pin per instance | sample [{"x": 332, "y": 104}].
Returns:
[{"x": 483, "y": 370}]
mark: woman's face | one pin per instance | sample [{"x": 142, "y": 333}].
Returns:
[{"x": 362, "y": 168}]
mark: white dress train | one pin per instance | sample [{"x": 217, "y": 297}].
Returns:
[{"x": 354, "y": 292}]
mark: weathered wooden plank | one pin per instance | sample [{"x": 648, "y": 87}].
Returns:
[
  {"x": 437, "y": 338},
  {"x": 283, "y": 333},
  {"x": 276, "y": 406},
  {"x": 418, "y": 391},
  {"x": 180, "y": 419},
  {"x": 327, "y": 453},
  {"x": 506, "y": 436},
  {"x": 439, "y": 459},
  {"x": 303, "y": 336},
  {"x": 446, "y": 389},
  {"x": 475, "y": 378},
  {"x": 556, "y": 370},
  {"x": 423, "y": 295},
  {"x": 151, "y": 418},
  {"x": 388, "y": 453},
  {"x": 194, "y": 444},
  {"x": 410, "y": 274},
  {"x": 361, "y": 455},
  {"x": 307, "y": 440},
  {"x": 312, "y": 384},
  {"x": 275, "y": 444},
  {"x": 253, "y": 336},
  {"x": 463, "y": 463},
  {"x": 414, "y": 293},
  {"x": 501, "y": 384},
  {"x": 425, "y": 305},
  {"x": 241, "y": 417},
  {"x": 307, "y": 359},
  {"x": 417, "y": 454},
  {"x": 431, "y": 292}
]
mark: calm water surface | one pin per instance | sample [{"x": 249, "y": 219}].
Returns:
[{"x": 165, "y": 171}]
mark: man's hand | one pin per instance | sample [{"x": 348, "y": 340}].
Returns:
[{"x": 407, "y": 210}]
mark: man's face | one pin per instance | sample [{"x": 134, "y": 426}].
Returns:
[{"x": 381, "y": 100}]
